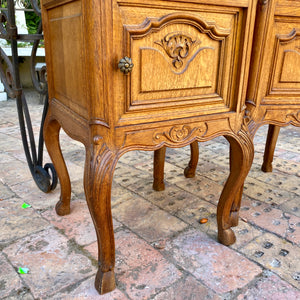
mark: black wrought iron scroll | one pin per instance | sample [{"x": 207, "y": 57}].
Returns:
[{"x": 44, "y": 176}]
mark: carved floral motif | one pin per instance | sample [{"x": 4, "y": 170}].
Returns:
[
  {"x": 179, "y": 133},
  {"x": 177, "y": 46}
]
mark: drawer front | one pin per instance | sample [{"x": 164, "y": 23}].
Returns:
[{"x": 185, "y": 57}]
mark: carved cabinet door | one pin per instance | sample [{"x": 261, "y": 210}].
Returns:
[
  {"x": 187, "y": 58},
  {"x": 280, "y": 84}
]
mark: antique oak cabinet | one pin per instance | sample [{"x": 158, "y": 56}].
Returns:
[{"x": 145, "y": 74}]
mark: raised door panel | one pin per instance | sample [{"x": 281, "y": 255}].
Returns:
[
  {"x": 185, "y": 59},
  {"x": 65, "y": 54},
  {"x": 176, "y": 58},
  {"x": 284, "y": 79}
]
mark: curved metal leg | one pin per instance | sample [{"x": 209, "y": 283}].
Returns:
[
  {"x": 271, "y": 141},
  {"x": 158, "y": 169},
  {"x": 10, "y": 76},
  {"x": 190, "y": 170},
  {"x": 51, "y": 135},
  {"x": 241, "y": 157},
  {"x": 99, "y": 167}
]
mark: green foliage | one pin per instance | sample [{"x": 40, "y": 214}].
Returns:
[
  {"x": 3, "y": 3},
  {"x": 32, "y": 20}
]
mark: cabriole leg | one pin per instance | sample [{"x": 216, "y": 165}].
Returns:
[
  {"x": 51, "y": 136},
  {"x": 271, "y": 141},
  {"x": 99, "y": 167},
  {"x": 190, "y": 170},
  {"x": 241, "y": 157},
  {"x": 158, "y": 169}
]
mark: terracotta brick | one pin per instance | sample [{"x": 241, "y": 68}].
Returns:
[
  {"x": 10, "y": 282},
  {"x": 16, "y": 222},
  {"x": 286, "y": 166},
  {"x": 131, "y": 252},
  {"x": 9, "y": 143},
  {"x": 203, "y": 188},
  {"x": 188, "y": 288},
  {"x": 140, "y": 270},
  {"x": 271, "y": 219},
  {"x": 119, "y": 194},
  {"x": 265, "y": 193},
  {"x": 292, "y": 206},
  {"x": 126, "y": 174},
  {"x": 5, "y": 157},
  {"x": 287, "y": 182},
  {"x": 6, "y": 192},
  {"x": 78, "y": 224},
  {"x": 87, "y": 291},
  {"x": 271, "y": 287},
  {"x": 172, "y": 199},
  {"x": 53, "y": 263},
  {"x": 146, "y": 281},
  {"x": 244, "y": 233},
  {"x": 197, "y": 210},
  {"x": 277, "y": 255},
  {"x": 147, "y": 220},
  {"x": 31, "y": 194},
  {"x": 218, "y": 267},
  {"x": 10, "y": 176},
  {"x": 213, "y": 171}
]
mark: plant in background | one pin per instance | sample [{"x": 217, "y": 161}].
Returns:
[{"x": 32, "y": 19}]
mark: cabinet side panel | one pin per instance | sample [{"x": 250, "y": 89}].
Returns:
[{"x": 66, "y": 56}]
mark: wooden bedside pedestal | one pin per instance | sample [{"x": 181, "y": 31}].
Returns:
[
  {"x": 140, "y": 75},
  {"x": 273, "y": 95}
]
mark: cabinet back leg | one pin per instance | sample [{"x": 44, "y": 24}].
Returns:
[
  {"x": 190, "y": 170},
  {"x": 271, "y": 141},
  {"x": 158, "y": 169},
  {"x": 51, "y": 136}
]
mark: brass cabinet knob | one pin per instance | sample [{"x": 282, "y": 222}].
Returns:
[{"x": 125, "y": 65}]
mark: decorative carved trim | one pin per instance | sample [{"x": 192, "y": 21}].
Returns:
[
  {"x": 286, "y": 38},
  {"x": 177, "y": 46},
  {"x": 179, "y": 133},
  {"x": 155, "y": 25},
  {"x": 294, "y": 116}
]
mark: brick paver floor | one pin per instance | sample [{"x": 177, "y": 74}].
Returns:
[{"x": 162, "y": 251}]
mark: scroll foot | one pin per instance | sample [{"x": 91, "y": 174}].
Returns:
[
  {"x": 105, "y": 281},
  {"x": 190, "y": 170},
  {"x": 226, "y": 237},
  {"x": 62, "y": 208}
]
